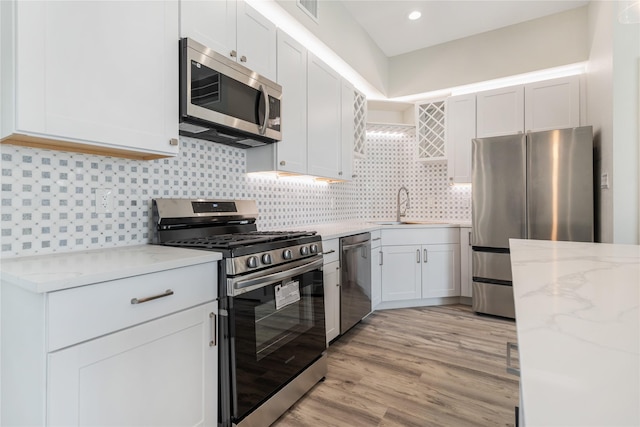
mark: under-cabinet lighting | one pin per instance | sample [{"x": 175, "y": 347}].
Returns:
[
  {"x": 276, "y": 14},
  {"x": 287, "y": 177},
  {"x": 386, "y": 134}
]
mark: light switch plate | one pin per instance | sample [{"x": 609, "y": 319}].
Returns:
[
  {"x": 104, "y": 200},
  {"x": 604, "y": 180}
]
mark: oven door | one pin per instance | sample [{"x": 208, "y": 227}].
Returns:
[{"x": 277, "y": 329}]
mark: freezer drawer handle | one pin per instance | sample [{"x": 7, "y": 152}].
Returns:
[
  {"x": 214, "y": 332},
  {"x": 510, "y": 369},
  {"x": 166, "y": 293}
]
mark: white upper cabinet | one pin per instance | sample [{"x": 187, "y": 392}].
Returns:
[
  {"x": 211, "y": 23},
  {"x": 234, "y": 29},
  {"x": 430, "y": 119},
  {"x": 88, "y": 79},
  {"x": 461, "y": 129},
  {"x": 500, "y": 112},
  {"x": 324, "y": 130},
  {"x": 552, "y": 104},
  {"x": 347, "y": 124}
]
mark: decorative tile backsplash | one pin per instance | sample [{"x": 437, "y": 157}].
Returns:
[{"x": 48, "y": 197}]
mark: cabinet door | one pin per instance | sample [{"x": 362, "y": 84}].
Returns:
[
  {"x": 332, "y": 299},
  {"x": 401, "y": 272},
  {"x": 461, "y": 129},
  {"x": 323, "y": 128},
  {"x": 376, "y": 277},
  {"x": 96, "y": 77},
  {"x": 347, "y": 126},
  {"x": 465, "y": 262},
  {"x": 292, "y": 76},
  {"x": 552, "y": 104},
  {"x": 256, "y": 41},
  {"x": 159, "y": 373},
  {"x": 500, "y": 112},
  {"x": 211, "y": 23},
  {"x": 441, "y": 271}
]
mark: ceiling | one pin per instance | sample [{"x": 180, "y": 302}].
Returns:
[{"x": 442, "y": 21}]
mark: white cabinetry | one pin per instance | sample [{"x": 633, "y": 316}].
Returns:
[
  {"x": 100, "y": 354},
  {"x": 421, "y": 266},
  {"x": 500, "y": 112},
  {"x": 430, "y": 119},
  {"x": 376, "y": 269},
  {"x": 331, "y": 276},
  {"x": 85, "y": 77},
  {"x": 466, "y": 274},
  {"x": 151, "y": 374},
  {"x": 290, "y": 154},
  {"x": 552, "y": 104},
  {"x": 318, "y": 119},
  {"x": 323, "y": 127},
  {"x": 461, "y": 129},
  {"x": 545, "y": 105},
  {"x": 234, "y": 29}
]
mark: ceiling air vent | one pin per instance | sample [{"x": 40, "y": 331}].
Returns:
[{"x": 310, "y": 7}]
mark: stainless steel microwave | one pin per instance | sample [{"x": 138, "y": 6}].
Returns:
[{"x": 225, "y": 102}]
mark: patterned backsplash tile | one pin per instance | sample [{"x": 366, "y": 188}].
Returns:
[{"x": 48, "y": 197}]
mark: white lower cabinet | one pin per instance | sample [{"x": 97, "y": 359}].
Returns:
[
  {"x": 415, "y": 273},
  {"x": 150, "y": 374},
  {"x": 376, "y": 269},
  {"x": 466, "y": 274},
  {"x": 332, "y": 299},
  {"x": 130, "y": 351}
]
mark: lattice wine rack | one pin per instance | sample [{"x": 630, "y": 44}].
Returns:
[
  {"x": 430, "y": 129},
  {"x": 360, "y": 124}
]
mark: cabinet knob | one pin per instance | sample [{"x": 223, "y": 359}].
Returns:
[
  {"x": 233, "y": 54},
  {"x": 173, "y": 141},
  {"x": 282, "y": 163},
  {"x": 340, "y": 173},
  {"x": 243, "y": 58}
]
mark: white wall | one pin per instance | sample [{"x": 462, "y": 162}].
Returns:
[
  {"x": 613, "y": 110},
  {"x": 542, "y": 43}
]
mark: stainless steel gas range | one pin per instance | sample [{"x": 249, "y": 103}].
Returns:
[{"x": 272, "y": 326}]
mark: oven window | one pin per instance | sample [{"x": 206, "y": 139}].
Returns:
[{"x": 275, "y": 327}]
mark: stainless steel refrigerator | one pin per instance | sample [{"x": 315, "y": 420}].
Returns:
[{"x": 537, "y": 185}]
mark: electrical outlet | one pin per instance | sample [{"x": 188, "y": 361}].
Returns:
[
  {"x": 604, "y": 180},
  {"x": 104, "y": 200}
]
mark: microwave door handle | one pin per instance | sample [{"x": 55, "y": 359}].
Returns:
[{"x": 263, "y": 129}]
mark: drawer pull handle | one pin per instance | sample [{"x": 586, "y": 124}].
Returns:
[
  {"x": 214, "y": 330},
  {"x": 166, "y": 293},
  {"x": 377, "y": 238},
  {"x": 510, "y": 368},
  {"x": 328, "y": 252}
]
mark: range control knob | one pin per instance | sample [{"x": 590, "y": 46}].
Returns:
[
  {"x": 287, "y": 254},
  {"x": 313, "y": 248},
  {"x": 266, "y": 258},
  {"x": 252, "y": 262},
  {"x": 304, "y": 251}
]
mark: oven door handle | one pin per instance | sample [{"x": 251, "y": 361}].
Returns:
[{"x": 248, "y": 285}]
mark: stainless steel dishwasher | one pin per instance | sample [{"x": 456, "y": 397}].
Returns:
[{"x": 355, "y": 279}]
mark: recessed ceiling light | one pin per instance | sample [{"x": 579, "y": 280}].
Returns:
[{"x": 415, "y": 15}]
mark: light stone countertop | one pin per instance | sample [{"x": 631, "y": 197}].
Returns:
[
  {"x": 48, "y": 273},
  {"x": 334, "y": 230},
  {"x": 578, "y": 325}
]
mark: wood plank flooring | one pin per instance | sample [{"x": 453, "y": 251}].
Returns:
[{"x": 429, "y": 366}]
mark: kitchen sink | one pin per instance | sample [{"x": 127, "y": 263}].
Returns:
[{"x": 407, "y": 222}]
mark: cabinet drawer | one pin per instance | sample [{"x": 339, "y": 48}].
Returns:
[
  {"x": 327, "y": 247},
  {"x": 421, "y": 236},
  {"x": 83, "y": 313},
  {"x": 376, "y": 238}
]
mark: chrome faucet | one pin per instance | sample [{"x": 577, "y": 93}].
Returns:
[{"x": 406, "y": 206}]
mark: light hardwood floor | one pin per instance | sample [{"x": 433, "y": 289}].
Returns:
[{"x": 429, "y": 366}]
